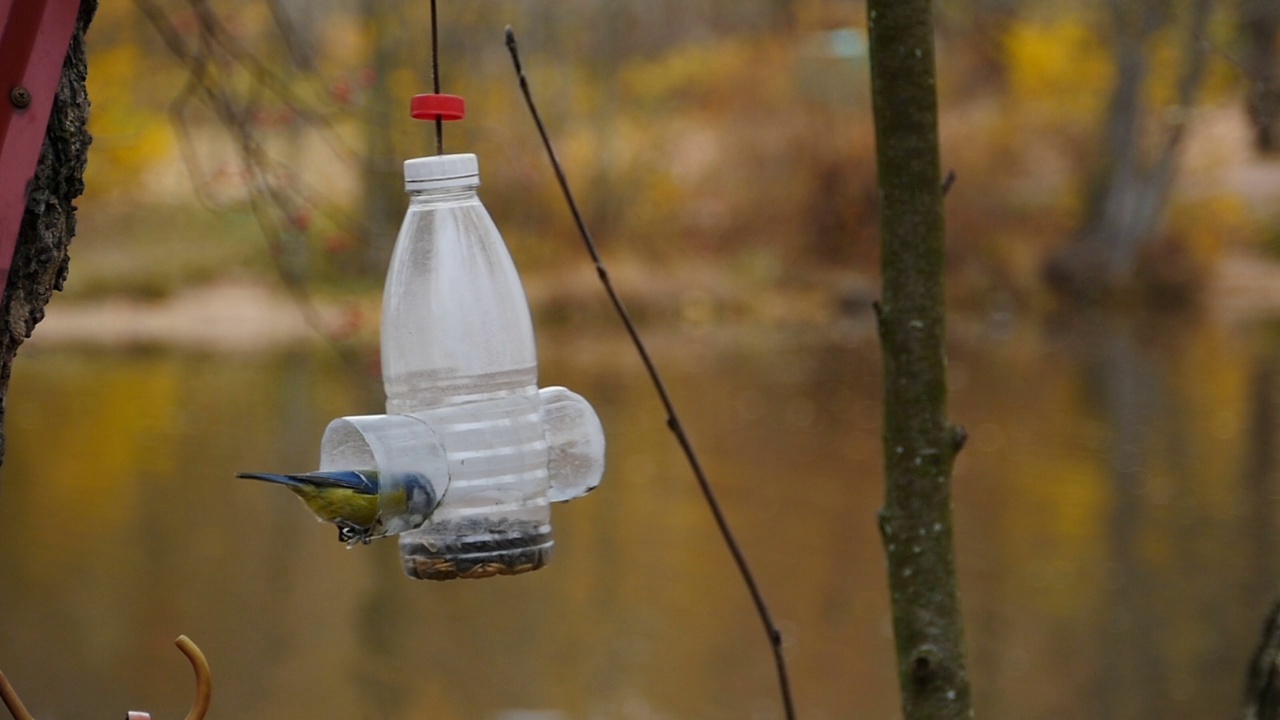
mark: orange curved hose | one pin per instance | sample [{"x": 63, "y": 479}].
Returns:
[
  {"x": 11, "y": 701},
  {"x": 204, "y": 682}
]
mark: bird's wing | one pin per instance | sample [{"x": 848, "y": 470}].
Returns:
[{"x": 362, "y": 482}]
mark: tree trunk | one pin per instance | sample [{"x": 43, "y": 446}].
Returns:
[
  {"x": 1262, "y": 691},
  {"x": 1259, "y": 24},
  {"x": 1262, "y": 687},
  {"x": 40, "y": 259},
  {"x": 384, "y": 196},
  {"x": 1130, "y": 191},
  {"x": 919, "y": 444}
]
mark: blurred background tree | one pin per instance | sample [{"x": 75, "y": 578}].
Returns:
[
  {"x": 1259, "y": 25},
  {"x": 1139, "y": 151},
  {"x": 730, "y": 144}
]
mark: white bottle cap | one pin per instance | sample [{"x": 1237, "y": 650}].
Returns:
[{"x": 441, "y": 171}]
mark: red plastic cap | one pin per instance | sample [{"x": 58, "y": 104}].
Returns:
[{"x": 444, "y": 107}]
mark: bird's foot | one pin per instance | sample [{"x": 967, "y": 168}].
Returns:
[{"x": 353, "y": 535}]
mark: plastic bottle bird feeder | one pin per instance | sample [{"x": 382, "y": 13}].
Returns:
[{"x": 471, "y": 452}]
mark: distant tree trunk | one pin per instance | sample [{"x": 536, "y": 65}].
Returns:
[
  {"x": 919, "y": 444},
  {"x": 1130, "y": 191},
  {"x": 979, "y": 27},
  {"x": 782, "y": 14},
  {"x": 1130, "y": 391},
  {"x": 1262, "y": 691},
  {"x": 40, "y": 260},
  {"x": 383, "y": 178},
  {"x": 1259, "y": 25},
  {"x": 1262, "y": 687},
  {"x": 299, "y": 23},
  {"x": 1261, "y": 472}
]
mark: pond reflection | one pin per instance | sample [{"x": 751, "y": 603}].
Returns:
[{"x": 1117, "y": 511}]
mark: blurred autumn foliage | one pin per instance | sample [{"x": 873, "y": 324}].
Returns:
[{"x": 732, "y": 140}]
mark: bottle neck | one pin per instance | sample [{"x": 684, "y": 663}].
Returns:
[{"x": 437, "y": 196}]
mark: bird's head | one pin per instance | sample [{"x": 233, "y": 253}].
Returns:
[
  {"x": 419, "y": 497},
  {"x": 410, "y": 502}
]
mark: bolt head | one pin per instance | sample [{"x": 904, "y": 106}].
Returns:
[{"x": 20, "y": 97}]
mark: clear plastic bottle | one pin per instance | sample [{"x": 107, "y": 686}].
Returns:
[
  {"x": 458, "y": 354},
  {"x": 455, "y": 322}
]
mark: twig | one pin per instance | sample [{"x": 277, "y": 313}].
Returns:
[
  {"x": 673, "y": 419},
  {"x": 948, "y": 181},
  {"x": 213, "y": 59}
]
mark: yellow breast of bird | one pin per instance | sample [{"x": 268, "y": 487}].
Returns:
[{"x": 340, "y": 504}]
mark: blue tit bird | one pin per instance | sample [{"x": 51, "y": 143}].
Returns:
[{"x": 351, "y": 499}]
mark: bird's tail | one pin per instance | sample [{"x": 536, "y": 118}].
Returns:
[{"x": 273, "y": 478}]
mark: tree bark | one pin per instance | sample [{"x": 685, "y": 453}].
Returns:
[
  {"x": 919, "y": 444},
  {"x": 40, "y": 259}
]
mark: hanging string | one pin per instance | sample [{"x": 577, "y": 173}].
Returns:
[
  {"x": 673, "y": 419},
  {"x": 435, "y": 77}
]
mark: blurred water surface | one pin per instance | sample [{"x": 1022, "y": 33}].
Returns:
[{"x": 1117, "y": 512}]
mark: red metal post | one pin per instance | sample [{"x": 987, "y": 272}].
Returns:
[{"x": 34, "y": 35}]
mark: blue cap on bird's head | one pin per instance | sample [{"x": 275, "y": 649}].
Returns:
[{"x": 409, "y": 498}]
